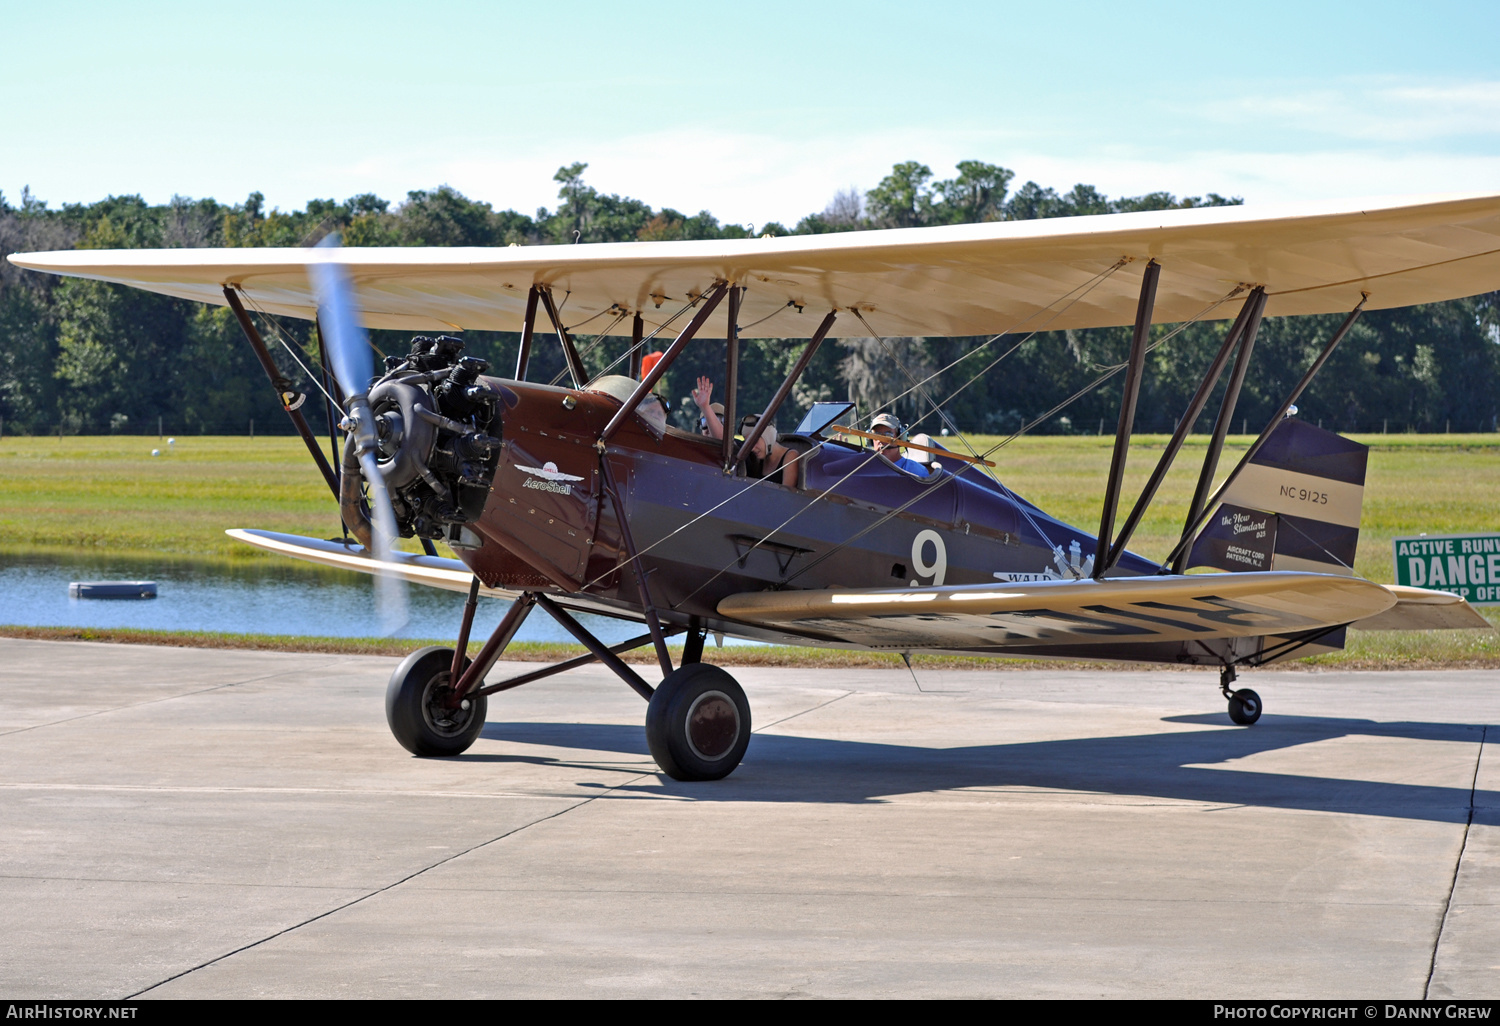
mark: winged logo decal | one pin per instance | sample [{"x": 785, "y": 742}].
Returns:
[{"x": 547, "y": 478}]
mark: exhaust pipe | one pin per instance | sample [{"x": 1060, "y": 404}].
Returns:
[{"x": 352, "y": 508}]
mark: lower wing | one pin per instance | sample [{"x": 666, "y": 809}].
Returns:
[
  {"x": 433, "y": 571},
  {"x": 1069, "y": 613}
]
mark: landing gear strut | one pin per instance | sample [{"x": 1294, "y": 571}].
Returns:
[
  {"x": 1244, "y": 704},
  {"x": 698, "y": 719},
  {"x": 697, "y": 722}
]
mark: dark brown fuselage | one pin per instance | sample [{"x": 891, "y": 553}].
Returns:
[{"x": 704, "y": 534}]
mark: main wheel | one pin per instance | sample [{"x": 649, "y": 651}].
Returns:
[
  {"x": 416, "y": 707},
  {"x": 1244, "y": 707},
  {"x": 698, "y": 723}
]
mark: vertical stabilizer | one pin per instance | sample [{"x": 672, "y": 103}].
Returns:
[{"x": 1313, "y": 481}]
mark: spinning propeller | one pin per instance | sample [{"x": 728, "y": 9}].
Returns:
[{"x": 349, "y": 351}]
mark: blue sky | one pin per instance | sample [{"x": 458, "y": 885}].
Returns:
[{"x": 757, "y": 112}]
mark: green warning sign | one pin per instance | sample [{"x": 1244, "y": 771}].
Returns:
[{"x": 1464, "y": 564}]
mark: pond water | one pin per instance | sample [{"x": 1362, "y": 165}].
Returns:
[{"x": 274, "y": 597}]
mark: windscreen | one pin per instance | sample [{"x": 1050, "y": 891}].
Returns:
[{"x": 820, "y": 416}]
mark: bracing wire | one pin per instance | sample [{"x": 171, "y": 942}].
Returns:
[
  {"x": 1111, "y": 372},
  {"x": 1105, "y": 377},
  {"x": 1082, "y": 290},
  {"x": 753, "y": 483},
  {"x": 613, "y": 307},
  {"x": 1072, "y": 296},
  {"x": 605, "y": 333},
  {"x": 285, "y": 339},
  {"x": 868, "y": 527},
  {"x": 1308, "y": 538},
  {"x": 592, "y": 345},
  {"x": 767, "y": 317},
  {"x": 937, "y": 480},
  {"x": 943, "y": 415},
  {"x": 663, "y": 326},
  {"x": 779, "y": 527}
]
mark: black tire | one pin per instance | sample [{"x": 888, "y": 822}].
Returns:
[
  {"x": 1244, "y": 707},
  {"x": 698, "y": 723},
  {"x": 415, "y": 711}
]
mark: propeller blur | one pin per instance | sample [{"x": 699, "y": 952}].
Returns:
[{"x": 350, "y": 353}]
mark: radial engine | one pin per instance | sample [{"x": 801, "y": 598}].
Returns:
[{"x": 436, "y": 436}]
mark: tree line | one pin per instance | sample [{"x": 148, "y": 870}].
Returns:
[{"x": 79, "y": 356}]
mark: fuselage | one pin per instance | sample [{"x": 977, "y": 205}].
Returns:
[{"x": 853, "y": 521}]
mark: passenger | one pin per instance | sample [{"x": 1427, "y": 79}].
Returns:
[
  {"x": 767, "y": 457},
  {"x": 886, "y": 425},
  {"x": 712, "y": 413},
  {"x": 717, "y": 409}
]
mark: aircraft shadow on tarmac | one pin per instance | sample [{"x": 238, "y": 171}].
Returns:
[{"x": 1174, "y": 765}]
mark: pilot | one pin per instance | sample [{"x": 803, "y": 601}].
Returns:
[
  {"x": 767, "y": 458},
  {"x": 886, "y": 425}
]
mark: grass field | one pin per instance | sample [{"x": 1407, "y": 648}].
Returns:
[
  {"x": 63, "y": 495},
  {"x": 109, "y": 493}
]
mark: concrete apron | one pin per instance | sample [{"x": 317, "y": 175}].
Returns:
[{"x": 184, "y": 823}]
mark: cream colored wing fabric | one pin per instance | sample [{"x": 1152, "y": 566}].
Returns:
[
  {"x": 982, "y": 616},
  {"x": 957, "y": 280},
  {"x": 433, "y": 571}
]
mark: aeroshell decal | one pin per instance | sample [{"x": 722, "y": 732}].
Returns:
[{"x": 547, "y": 478}]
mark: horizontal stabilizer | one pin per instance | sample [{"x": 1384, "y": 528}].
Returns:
[
  {"x": 1418, "y": 609},
  {"x": 1122, "y": 610}
]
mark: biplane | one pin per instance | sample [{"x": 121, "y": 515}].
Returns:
[{"x": 583, "y": 497}]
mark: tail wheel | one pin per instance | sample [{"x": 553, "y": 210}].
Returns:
[
  {"x": 418, "y": 709},
  {"x": 698, "y": 723},
  {"x": 1244, "y": 707}
]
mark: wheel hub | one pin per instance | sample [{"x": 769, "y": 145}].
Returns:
[
  {"x": 444, "y": 716},
  {"x": 713, "y": 725}
]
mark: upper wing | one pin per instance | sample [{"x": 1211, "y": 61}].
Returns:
[
  {"x": 955, "y": 280},
  {"x": 1121, "y": 610}
]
